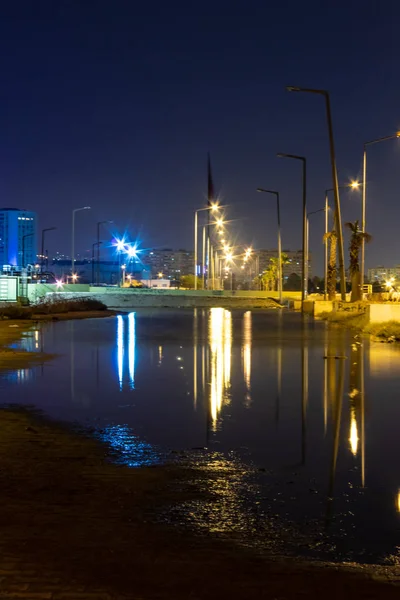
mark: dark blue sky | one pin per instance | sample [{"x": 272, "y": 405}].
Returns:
[{"x": 116, "y": 103}]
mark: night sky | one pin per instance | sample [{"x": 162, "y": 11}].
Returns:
[{"x": 115, "y": 104}]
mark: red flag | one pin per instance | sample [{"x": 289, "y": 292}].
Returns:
[{"x": 210, "y": 182}]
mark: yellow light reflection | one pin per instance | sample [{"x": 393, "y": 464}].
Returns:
[
  {"x": 131, "y": 348},
  {"x": 220, "y": 340},
  {"x": 353, "y": 439},
  {"x": 246, "y": 353},
  {"x": 120, "y": 348},
  {"x": 398, "y": 501},
  {"x": 160, "y": 354}
]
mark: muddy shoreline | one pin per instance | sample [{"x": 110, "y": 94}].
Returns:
[
  {"x": 12, "y": 330},
  {"x": 74, "y": 520}
]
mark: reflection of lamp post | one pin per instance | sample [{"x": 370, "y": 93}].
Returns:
[
  {"x": 304, "y": 284},
  {"x": 280, "y": 278},
  {"x": 23, "y": 247},
  {"x": 42, "y": 255},
  {"x": 73, "y": 239},
  {"x": 325, "y": 94}
]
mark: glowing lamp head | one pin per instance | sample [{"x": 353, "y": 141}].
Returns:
[
  {"x": 120, "y": 245},
  {"x": 132, "y": 251},
  {"x": 123, "y": 267},
  {"x": 59, "y": 283},
  {"x": 160, "y": 275},
  {"x": 220, "y": 222},
  {"x": 214, "y": 207},
  {"x": 355, "y": 185}
]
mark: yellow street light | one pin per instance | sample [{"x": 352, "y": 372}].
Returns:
[
  {"x": 74, "y": 277},
  {"x": 160, "y": 275},
  {"x": 355, "y": 185},
  {"x": 219, "y": 222}
]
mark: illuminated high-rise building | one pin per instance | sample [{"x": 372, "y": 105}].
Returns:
[{"x": 18, "y": 237}]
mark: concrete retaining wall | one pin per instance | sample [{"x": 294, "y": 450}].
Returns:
[
  {"x": 379, "y": 313},
  {"x": 128, "y": 301}
]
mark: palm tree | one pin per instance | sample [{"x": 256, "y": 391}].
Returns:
[
  {"x": 331, "y": 238},
  {"x": 356, "y": 239},
  {"x": 273, "y": 268}
]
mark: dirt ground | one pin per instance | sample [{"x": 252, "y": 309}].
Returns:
[{"x": 74, "y": 525}]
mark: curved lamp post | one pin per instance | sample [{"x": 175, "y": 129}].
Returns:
[
  {"x": 325, "y": 94},
  {"x": 280, "y": 282},
  {"x": 73, "y": 279}
]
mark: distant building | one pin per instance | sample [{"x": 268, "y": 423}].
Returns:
[
  {"x": 381, "y": 274},
  {"x": 17, "y": 236},
  {"x": 293, "y": 266},
  {"x": 171, "y": 263}
]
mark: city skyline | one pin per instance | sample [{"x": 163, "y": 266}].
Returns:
[{"x": 116, "y": 112}]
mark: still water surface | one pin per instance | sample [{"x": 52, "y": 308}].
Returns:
[{"x": 300, "y": 422}]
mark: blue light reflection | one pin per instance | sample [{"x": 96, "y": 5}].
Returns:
[
  {"x": 120, "y": 349},
  {"x": 129, "y": 449},
  {"x": 130, "y": 350}
]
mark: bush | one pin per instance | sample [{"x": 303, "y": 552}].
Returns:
[
  {"x": 60, "y": 306},
  {"x": 15, "y": 311},
  {"x": 389, "y": 330}
]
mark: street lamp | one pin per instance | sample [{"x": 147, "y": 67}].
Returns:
[
  {"x": 98, "y": 243},
  {"x": 314, "y": 212},
  {"x": 23, "y": 247},
  {"x": 364, "y": 198},
  {"x": 99, "y": 224},
  {"x": 120, "y": 246},
  {"x": 213, "y": 208},
  {"x": 280, "y": 281},
  {"x": 304, "y": 284},
  {"x": 73, "y": 239},
  {"x": 353, "y": 185},
  {"x": 325, "y": 94},
  {"x": 42, "y": 256}
]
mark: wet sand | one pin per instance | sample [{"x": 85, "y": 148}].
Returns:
[
  {"x": 75, "y": 525},
  {"x": 11, "y": 331}
]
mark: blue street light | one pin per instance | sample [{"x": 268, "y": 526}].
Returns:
[{"x": 120, "y": 246}]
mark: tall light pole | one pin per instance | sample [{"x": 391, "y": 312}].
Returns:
[
  {"x": 23, "y": 247},
  {"x": 213, "y": 208},
  {"x": 280, "y": 278},
  {"x": 313, "y": 212},
  {"x": 353, "y": 185},
  {"x": 99, "y": 224},
  {"x": 364, "y": 199},
  {"x": 73, "y": 240},
  {"x": 304, "y": 283},
  {"x": 93, "y": 247},
  {"x": 325, "y": 94},
  {"x": 42, "y": 255}
]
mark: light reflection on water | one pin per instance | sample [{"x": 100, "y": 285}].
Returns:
[{"x": 301, "y": 411}]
